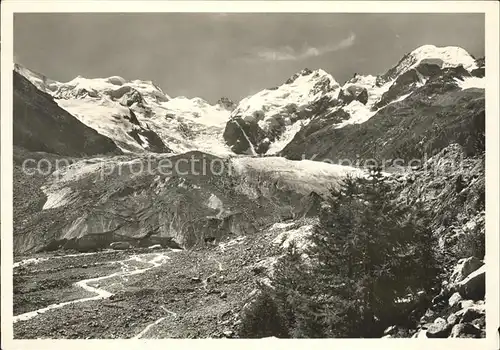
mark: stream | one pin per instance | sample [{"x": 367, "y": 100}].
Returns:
[{"x": 153, "y": 259}]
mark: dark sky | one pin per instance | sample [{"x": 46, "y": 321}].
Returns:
[{"x": 212, "y": 55}]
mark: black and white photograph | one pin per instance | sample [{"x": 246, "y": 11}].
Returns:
[{"x": 249, "y": 175}]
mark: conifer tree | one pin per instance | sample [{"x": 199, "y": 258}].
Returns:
[{"x": 366, "y": 254}]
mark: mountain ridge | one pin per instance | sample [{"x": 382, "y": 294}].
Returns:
[
  {"x": 267, "y": 128},
  {"x": 275, "y": 115}
]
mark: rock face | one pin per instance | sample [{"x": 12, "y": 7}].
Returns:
[
  {"x": 480, "y": 70},
  {"x": 41, "y": 125},
  {"x": 226, "y": 103},
  {"x": 245, "y": 136},
  {"x": 353, "y": 93}
]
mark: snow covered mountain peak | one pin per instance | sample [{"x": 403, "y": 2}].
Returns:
[
  {"x": 262, "y": 123},
  {"x": 299, "y": 90},
  {"x": 274, "y": 115},
  {"x": 316, "y": 80},
  {"x": 111, "y": 86},
  {"x": 451, "y": 56}
]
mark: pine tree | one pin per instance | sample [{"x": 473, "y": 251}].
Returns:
[
  {"x": 367, "y": 252},
  {"x": 294, "y": 290}
]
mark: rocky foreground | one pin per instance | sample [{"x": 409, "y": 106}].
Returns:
[
  {"x": 160, "y": 292},
  {"x": 164, "y": 293}
]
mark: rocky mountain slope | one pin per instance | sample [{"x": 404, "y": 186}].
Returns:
[
  {"x": 204, "y": 292},
  {"x": 41, "y": 125},
  {"x": 451, "y": 185}
]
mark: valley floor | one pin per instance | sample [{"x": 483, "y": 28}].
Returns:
[{"x": 139, "y": 293}]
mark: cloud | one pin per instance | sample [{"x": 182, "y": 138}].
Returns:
[{"x": 287, "y": 53}]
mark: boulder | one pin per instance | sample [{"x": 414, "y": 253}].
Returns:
[
  {"x": 228, "y": 333},
  {"x": 454, "y": 299},
  {"x": 120, "y": 245},
  {"x": 464, "y": 304},
  {"x": 464, "y": 268},
  {"x": 465, "y": 330},
  {"x": 473, "y": 286},
  {"x": 453, "y": 319},
  {"x": 422, "y": 334}
]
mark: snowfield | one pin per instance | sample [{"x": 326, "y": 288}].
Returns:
[
  {"x": 191, "y": 124},
  {"x": 445, "y": 57},
  {"x": 471, "y": 83},
  {"x": 105, "y": 116}
]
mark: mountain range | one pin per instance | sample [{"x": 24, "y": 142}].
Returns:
[{"x": 282, "y": 150}]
